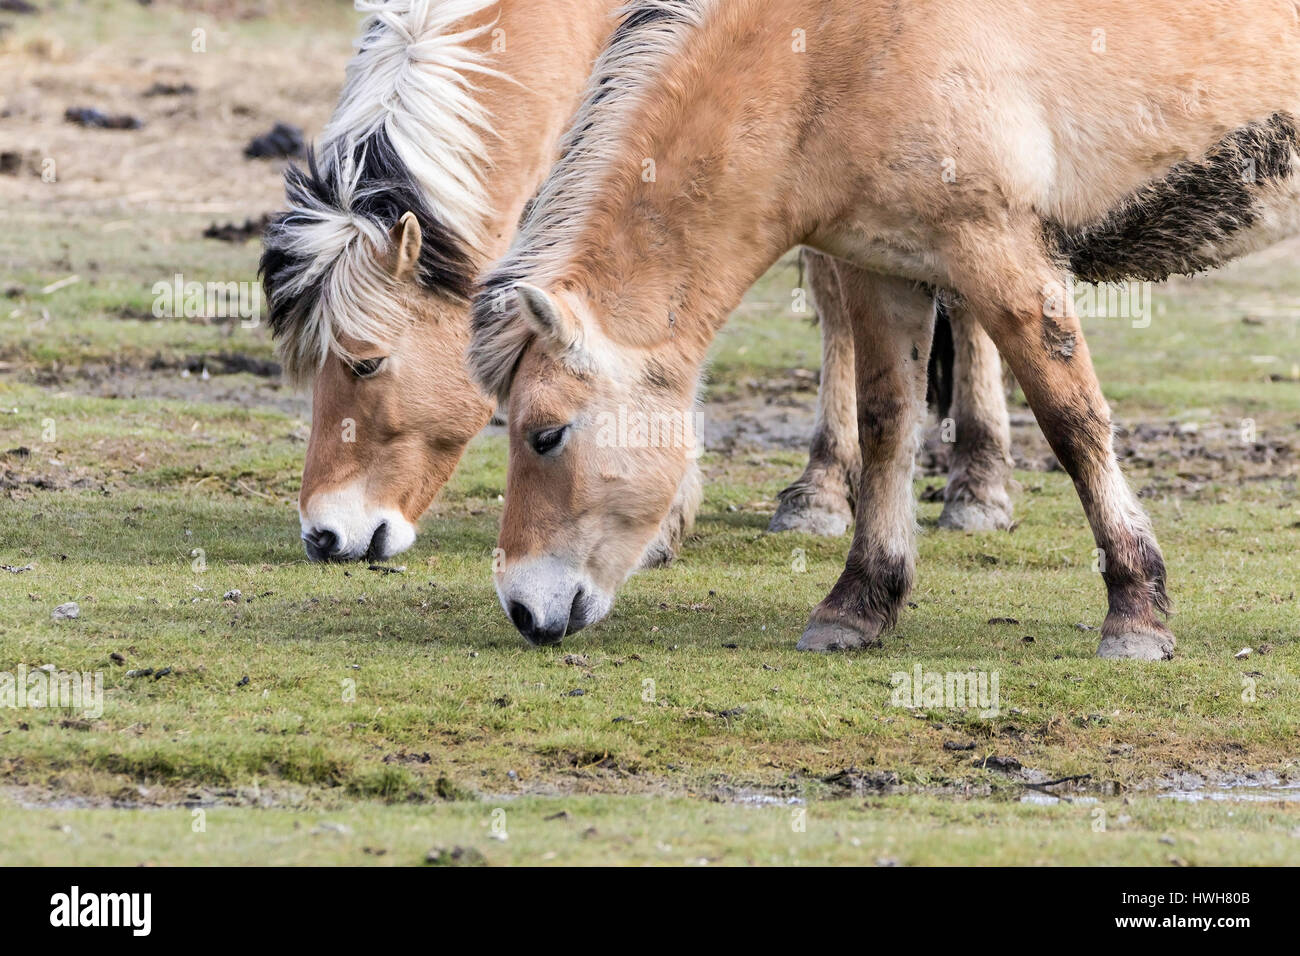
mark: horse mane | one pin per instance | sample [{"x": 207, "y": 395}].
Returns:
[
  {"x": 648, "y": 34},
  {"x": 407, "y": 135}
]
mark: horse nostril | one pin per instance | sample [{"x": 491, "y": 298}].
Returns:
[
  {"x": 322, "y": 544},
  {"x": 378, "y": 543},
  {"x": 522, "y": 618}
]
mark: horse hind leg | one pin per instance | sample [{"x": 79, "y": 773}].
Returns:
[
  {"x": 821, "y": 500},
  {"x": 1028, "y": 315},
  {"x": 977, "y": 497}
]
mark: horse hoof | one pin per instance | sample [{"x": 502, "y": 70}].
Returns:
[
  {"x": 823, "y": 515},
  {"x": 1137, "y": 645},
  {"x": 826, "y": 636},
  {"x": 974, "y": 516}
]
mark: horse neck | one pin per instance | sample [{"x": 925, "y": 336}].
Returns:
[
  {"x": 545, "y": 52},
  {"x": 705, "y": 193}
]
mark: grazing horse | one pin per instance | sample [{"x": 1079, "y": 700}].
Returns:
[
  {"x": 983, "y": 147},
  {"x": 418, "y": 182}
]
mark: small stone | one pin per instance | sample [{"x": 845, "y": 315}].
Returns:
[
  {"x": 234, "y": 594},
  {"x": 66, "y": 611},
  {"x": 328, "y": 827}
]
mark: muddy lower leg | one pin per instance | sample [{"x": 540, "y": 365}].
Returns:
[
  {"x": 892, "y": 329},
  {"x": 821, "y": 500},
  {"x": 977, "y": 497},
  {"x": 1037, "y": 332}
]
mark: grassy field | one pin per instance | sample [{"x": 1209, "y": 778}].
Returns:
[{"x": 261, "y": 709}]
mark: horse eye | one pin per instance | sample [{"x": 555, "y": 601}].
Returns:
[
  {"x": 548, "y": 440},
  {"x": 367, "y": 367}
]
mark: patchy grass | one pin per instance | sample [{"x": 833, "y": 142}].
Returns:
[
  {"x": 684, "y": 728},
  {"x": 596, "y": 831}
]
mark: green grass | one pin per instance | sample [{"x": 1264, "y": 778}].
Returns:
[
  {"x": 404, "y": 707},
  {"x": 381, "y": 696},
  {"x": 652, "y": 830},
  {"x": 107, "y": 315}
]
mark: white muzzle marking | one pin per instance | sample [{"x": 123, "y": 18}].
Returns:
[
  {"x": 546, "y": 599},
  {"x": 346, "y": 514}
]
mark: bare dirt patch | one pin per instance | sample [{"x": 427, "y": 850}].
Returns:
[{"x": 1185, "y": 456}]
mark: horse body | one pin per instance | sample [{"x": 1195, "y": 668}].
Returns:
[
  {"x": 1140, "y": 145},
  {"x": 976, "y": 147}
]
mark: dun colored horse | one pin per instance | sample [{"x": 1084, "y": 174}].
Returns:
[
  {"x": 450, "y": 117},
  {"x": 982, "y": 147}
]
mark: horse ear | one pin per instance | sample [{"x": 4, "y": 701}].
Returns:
[
  {"x": 547, "y": 318},
  {"x": 407, "y": 239}
]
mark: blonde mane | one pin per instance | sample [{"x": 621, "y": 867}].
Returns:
[
  {"x": 650, "y": 32},
  {"x": 408, "y": 135}
]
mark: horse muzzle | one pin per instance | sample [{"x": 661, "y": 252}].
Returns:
[
  {"x": 547, "y": 601},
  {"x": 340, "y": 526}
]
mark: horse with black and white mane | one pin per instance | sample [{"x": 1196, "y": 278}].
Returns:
[{"x": 450, "y": 118}]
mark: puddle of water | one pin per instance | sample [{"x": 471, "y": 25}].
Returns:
[
  {"x": 1041, "y": 799},
  {"x": 766, "y": 800},
  {"x": 1239, "y": 793}
]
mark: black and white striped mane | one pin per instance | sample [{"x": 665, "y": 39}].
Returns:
[{"x": 407, "y": 136}]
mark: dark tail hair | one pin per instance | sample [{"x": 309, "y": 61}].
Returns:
[{"x": 939, "y": 378}]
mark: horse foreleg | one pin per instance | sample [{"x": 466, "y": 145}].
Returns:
[{"x": 893, "y": 324}]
